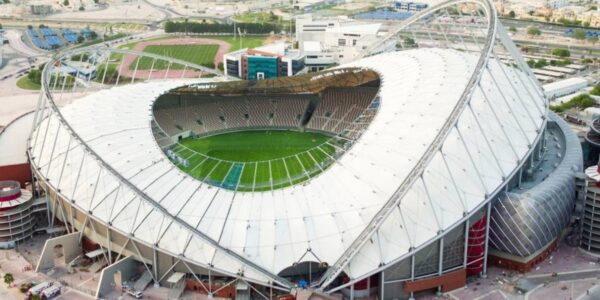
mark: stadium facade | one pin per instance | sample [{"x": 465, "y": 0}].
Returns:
[{"x": 453, "y": 164}]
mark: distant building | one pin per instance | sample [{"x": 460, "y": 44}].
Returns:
[
  {"x": 342, "y": 38},
  {"x": 410, "y": 6},
  {"x": 40, "y": 8},
  {"x": 265, "y": 62},
  {"x": 315, "y": 58},
  {"x": 310, "y": 5},
  {"x": 564, "y": 87}
]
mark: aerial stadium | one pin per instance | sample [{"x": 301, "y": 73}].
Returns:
[{"x": 402, "y": 172}]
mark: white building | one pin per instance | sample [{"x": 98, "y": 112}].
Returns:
[
  {"x": 564, "y": 87},
  {"x": 342, "y": 38}
]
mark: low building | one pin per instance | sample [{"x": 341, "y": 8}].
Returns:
[
  {"x": 564, "y": 87},
  {"x": 316, "y": 59},
  {"x": 264, "y": 62},
  {"x": 343, "y": 38},
  {"x": 410, "y": 6},
  {"x": 40, "y": 8}
]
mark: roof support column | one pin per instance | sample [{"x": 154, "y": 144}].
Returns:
[
  {"x": 137, "y": 63},
  {"x": 441, "y": 262},
  {"x": 105, "y": 69},
  {"x": 467, "y": 225},
  {"x": 155, "y": 264},
  {"x": 412, "y": 273},
  {"x": 168, "y": 68},
  {"x": 487, "y": 238},
  {"x": 109, "y": 245},
  {"x": 119, "y": 73},
  {"x": 382, "y": 284},
  {"x": 151, "y": 68}
]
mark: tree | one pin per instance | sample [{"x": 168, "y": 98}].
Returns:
[
  {"x": 66, "y": 2},
  {"x": 511, "y": 14},
  {"x": 512, "y": 29},
  {"x": 531, "y": 63},
  {"x": 561, "y": 52},
  {"x": 8, "y": 278},
  {"x": 35, "y": 76},
  {"x": 409, "y": 42},
  {"x": 593, "y": 40},
  {"x": 533, "y": 31},
  {"x": 541, "y": 63},
  {"x": 579, "y": 34}
]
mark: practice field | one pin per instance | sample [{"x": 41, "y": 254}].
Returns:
[
  {"x": 239, "y": 42},
  {"x": 255, "y": 160},
  {"x": 199, "y": 54}
]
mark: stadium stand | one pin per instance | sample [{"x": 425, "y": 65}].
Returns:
[
  {"x": 340, "y": 107},
  {"x": 337, "y": 111}
]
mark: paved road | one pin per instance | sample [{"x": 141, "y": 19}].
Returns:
[{"x": 15, "y": 41}]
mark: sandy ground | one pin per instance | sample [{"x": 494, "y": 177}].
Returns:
[
  {"x": 129, "y": 59},
  {"x": 580, "y": 267},
  {"x": 20, "y": 264}
]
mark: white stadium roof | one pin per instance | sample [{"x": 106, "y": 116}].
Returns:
[{"x": 275, "y": 229}]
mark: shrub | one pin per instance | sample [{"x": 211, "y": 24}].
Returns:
[
  {"x": 579, "y": 34},
  {"x": 534, "y": 31},
  {"x": 581, "y": 102},
  {"x": 596, "y": 90},
  {"x": 561, "y": 52}
]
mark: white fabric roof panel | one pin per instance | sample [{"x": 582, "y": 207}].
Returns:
[{"x": 274, "y": 230}]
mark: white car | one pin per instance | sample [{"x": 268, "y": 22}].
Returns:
[{"x": 134, "y": 293}]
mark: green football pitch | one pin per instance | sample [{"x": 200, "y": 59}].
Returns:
[
  {"x": 256, "y": 160},
  {"x": 199, "y": 54}
]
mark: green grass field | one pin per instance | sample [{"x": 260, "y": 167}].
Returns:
[
  {"x": 27, "y": 84},
  {"x": 199, "y": 54},
  {"x": 256, "y": 160},
  {"x": 238, "y": 43}
]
